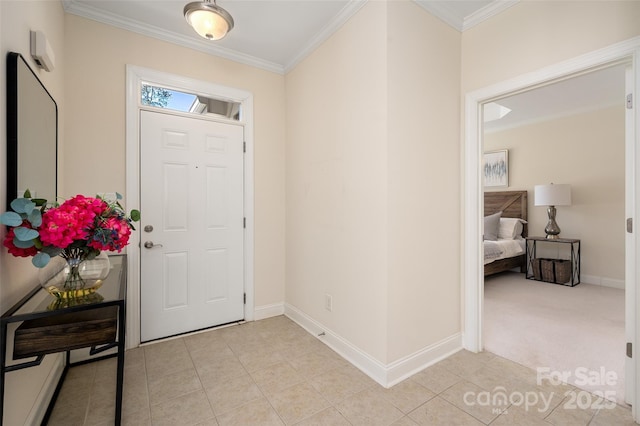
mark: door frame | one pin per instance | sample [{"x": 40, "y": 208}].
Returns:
[
  {"x": 135, "y": 75},
  {"x": 473, "y": 203}
]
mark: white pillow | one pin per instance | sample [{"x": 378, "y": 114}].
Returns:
[
  {"x": 491, "y": 223},
  {"x": 510, "y": 228}
]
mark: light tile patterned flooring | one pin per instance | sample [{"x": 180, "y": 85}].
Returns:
[{"x": 272, "y": 372}]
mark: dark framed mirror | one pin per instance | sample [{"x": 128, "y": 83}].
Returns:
[{"x": 32, "y": 133}]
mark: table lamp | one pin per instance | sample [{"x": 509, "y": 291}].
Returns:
[{"x": 552, "y": 195}]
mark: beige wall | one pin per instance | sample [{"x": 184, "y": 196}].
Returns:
[
  {"x": 587, "y": 151},
  {"x": 94, "y": 147},
  {"x": 372, "y": 141},
  {"x": 18, "y": 276},
  {"x": 337, "y": 182},
  {"x": 424, "y": 203},
  {"x": 535, "y": 34}
]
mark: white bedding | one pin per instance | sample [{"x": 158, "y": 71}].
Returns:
[{"x": 501, "y": 249}]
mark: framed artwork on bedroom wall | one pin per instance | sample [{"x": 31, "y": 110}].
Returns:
[{"x": 496, "y": 168}]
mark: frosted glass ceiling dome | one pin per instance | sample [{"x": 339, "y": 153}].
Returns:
[{"x": 208, "y": 19}]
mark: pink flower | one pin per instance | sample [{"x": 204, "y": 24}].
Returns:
[
  {"x": 80, "y": 226},
  {"x": 111, "y": 234},
  {"x": 72, "y": 220}
]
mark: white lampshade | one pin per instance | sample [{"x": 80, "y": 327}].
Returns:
[
  {"x": 208, "y": 19},
  {"x": 552, "y": 195}
]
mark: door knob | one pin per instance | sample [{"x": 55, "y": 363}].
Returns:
[{"x": 150, "y": 244}]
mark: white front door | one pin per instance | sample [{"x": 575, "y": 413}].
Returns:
[{"x": 191, "y": 199}]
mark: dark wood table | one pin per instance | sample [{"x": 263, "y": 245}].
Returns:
[
  {"x": 573, "y": 258},
  {"x": 98, "y": 323}
]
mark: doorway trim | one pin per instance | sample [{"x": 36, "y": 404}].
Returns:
[
  {"x": 472, "y": 265},
  {"x": 135, "y": 75}
]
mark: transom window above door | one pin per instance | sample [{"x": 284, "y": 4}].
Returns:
[{"x": 163, "y": 97}]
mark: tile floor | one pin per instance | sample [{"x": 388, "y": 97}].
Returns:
[{"x": 272, "y": 372}]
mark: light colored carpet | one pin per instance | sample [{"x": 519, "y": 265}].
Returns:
[{"x": 539, "y": 324}]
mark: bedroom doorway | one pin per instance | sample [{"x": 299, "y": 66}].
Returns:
[
  {"x": 547, "y": 322},
  {"x": 629, "y": 52}
]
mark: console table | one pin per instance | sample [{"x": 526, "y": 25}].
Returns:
[
  {"x": 571, "y": 266},
  {"x": 99, "y": 324}
]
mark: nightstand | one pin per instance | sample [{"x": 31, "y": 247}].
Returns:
[{"x": 553, "y": 270}]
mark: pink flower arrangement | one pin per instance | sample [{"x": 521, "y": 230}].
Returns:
[{"x": 80, "y": 227}]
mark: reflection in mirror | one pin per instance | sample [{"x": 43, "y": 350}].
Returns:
[{"x": 32, "y": 133}]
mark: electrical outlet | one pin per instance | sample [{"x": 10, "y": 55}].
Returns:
[{"x": 328, "y": 302}]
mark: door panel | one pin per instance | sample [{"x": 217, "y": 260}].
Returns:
[{"x": 192, "y": 195}]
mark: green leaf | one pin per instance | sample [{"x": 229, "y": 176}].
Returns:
[
  {"x": 25, "y": 234},
  {"x": 40, "y": 260},
  {"x": 39, "y": 201},
  {"x": 22, "y": 205},
  {"x": 27, "y": 194},
  {"x": 23, "y": 244},
  {"x": 35, "y": 218},
  {"x": 135, "y": 215},
  {"x": 118, "y": 196},
  {"x": 11, "y": 219},
  {"x": 92, "y": 254}
]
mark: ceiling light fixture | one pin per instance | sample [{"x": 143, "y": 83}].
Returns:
[{"x": 208, "y": 19}]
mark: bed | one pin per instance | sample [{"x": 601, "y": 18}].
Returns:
[{"x": 512, "y": 204}]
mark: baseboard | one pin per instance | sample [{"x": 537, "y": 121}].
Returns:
[
  {"x": 602, "y": 281},
  {"x": 268, "y": 311},
  {"x": 360, "y": 359},
  {"x": 386, "y": 375},
  {"x": 406, "y": 367}
]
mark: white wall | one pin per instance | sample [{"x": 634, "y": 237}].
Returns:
[
  {"x": 587, "y": 151},
  {"x": 26, "y": 390}
]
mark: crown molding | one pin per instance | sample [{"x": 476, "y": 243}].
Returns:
[
  {"x": 490, "y": 10},
  {"x": 436, "y": 8},
  {"x": 440, "y": 10},
  {"x": 89, "y": 12},
  {"x": 327, "y": 31}
]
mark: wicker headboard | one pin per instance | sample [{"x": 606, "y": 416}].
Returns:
[{"x": 511, "y": 203}]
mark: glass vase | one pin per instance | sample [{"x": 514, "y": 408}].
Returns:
[{"x": 74, "y": 277}]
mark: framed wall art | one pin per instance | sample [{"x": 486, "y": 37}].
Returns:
[{"x": 496, "y": 168}]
